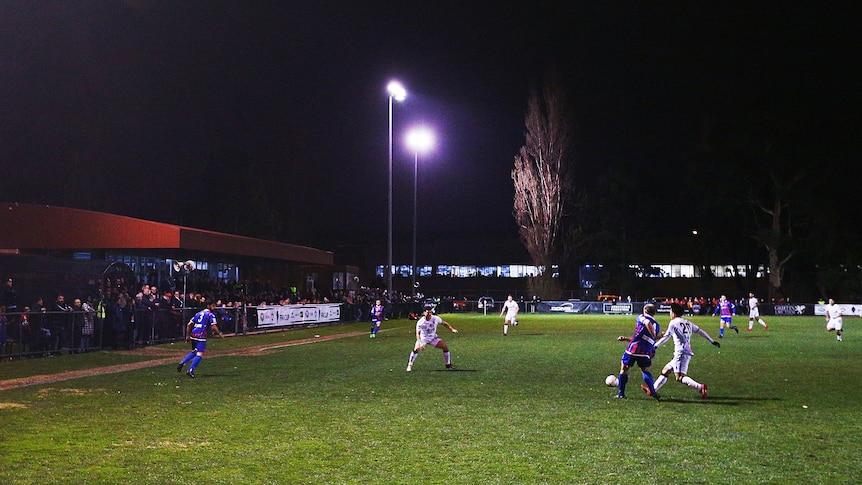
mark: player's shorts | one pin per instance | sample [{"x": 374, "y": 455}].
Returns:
[
  {"x": 726, "y": 320},
  {"x": 432, "y": 342},
  {"x": 199, "y": 345},
  {"x": 642, "y": 361},
  {"x": 679, "y": 363},
  {"x": 754, "y": 313},
  {"x": 375, "y": 321},
  {"x": 510, "y": 317},
  {"x": 835, "y": 324}
]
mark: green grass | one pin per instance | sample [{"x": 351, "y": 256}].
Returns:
[{"x": 528, "y": 408}]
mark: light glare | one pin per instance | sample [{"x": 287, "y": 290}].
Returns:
[
  {"x": 420, "y": 139},
  {"x": 396, "y": 90}
]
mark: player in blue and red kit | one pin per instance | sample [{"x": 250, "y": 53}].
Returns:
[
  {"x": 376, "y": 318},
  {"x": 640, "y": 351},
  {"x": 197, "y": 331},
  {"x": 726, "y": 310}
]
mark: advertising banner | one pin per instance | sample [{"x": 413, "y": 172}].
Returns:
[{"x": 285, "y": 315}]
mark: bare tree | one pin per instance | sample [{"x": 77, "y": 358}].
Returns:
[{"x": 542, "y": 181}]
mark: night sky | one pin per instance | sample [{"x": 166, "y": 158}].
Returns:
[{"x": 159, "y": 109}]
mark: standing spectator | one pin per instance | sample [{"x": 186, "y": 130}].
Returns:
[
  {"x": 640, "y": 351},
  {"x": 754, "y": 313},
  {"x": 88, "y": 328},
  {"x": 510, "y": 308},
  {"x": 376, "y": 317},
  {"x": 3, "y": 329},
  {"x": 77, "y": 325},
  {"x": 197, "y": 331},
  {"x": 145, "y": 312},
  {"x": 426, "y": 334},
  {"x": 10, "y": 301},
  {"x": 61, "y": 327},
  {"x": 10, "y": 296},
  {"x": 834, "y": 319}
]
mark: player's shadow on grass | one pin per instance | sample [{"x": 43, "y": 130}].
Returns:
[{"x": 719, "y": 400}]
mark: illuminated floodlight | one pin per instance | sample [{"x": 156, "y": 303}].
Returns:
[
  {"x": 396, "y": 90},
  {"x": 419, "y": 139}
]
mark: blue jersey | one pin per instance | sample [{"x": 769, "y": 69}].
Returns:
[
  {"x": 725, "y": 308},
  {"x": 377, "y": 313},
  {"x": 201, "y": 323},
  {"x": 643, "y": 341}
]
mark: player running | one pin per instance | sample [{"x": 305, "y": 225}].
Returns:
[
  {"x": 754, "y": 313},
  {"x": 834, "y": 320},
  {"x": 640, "y": 351},
  {"x": 376, "y": 318},
  {"x": 196, "y": 333},
  {"x": 681, "y": 331},
  {"x": 727, "y": 310},
  {"x": 510, "y": 308},
  {"x": 426, "y": 334}
]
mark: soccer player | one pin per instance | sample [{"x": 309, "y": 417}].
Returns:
[
  {"x": 754, "y": 313},
  {"x": 681, "y": 331},
  {"x": 196, "y": 333},
  {"x": 426, "y": 334},
  {"x": 833, "y": 319},
  {"x": 640, "y": 351},
  {"x": 376, "y": 318},
  {"x": 510, "y": 308},
  {"x": 727, "y": 310}
]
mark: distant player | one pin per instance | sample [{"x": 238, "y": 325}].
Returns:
[
  {"x": 426, "y": 334},
  {"x": 640, "y": 351},
  {"x": 510, "y": 308},
  {"x": 834, "y": 319},
  {"x": 196, "y": 333},
  {"x": 681, "y": 331},
  {"x": 376, "y": 318},
  {"x": 754, "y": 313},
  {"x": 727, "y": 310}
]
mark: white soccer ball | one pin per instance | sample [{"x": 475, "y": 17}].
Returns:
[{"x": 611, "y": 381}]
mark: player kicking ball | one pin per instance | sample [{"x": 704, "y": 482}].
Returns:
[
  {"x": 681, "y": 331},
  {"x": 426, "y": 334}
]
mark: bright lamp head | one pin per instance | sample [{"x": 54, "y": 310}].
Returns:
[
  {"x": 420, "y": 139},
  {"x": 396, "y": 90}
]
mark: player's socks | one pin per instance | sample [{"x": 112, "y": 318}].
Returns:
[
  {"x": 195, "y": 362},
  {"x": 413, "y": 356},
  {"x": 623, "y": 379},
  {"x": 660, "y": 380},
  {"x": 447, "y": 357},
  {"x": 505, "y": 329},
  {"x": 721, "y": 332},
  {"x": 649, "y": 381},
  {"x": 688, "y": 381},
  {"x": 190, "y": 356}
]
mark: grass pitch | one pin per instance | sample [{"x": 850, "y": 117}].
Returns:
[{"x": 531, "y": 407}]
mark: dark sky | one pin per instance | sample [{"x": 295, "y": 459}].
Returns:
[{"x": 156, "y": 108}]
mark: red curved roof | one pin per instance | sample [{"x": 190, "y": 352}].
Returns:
[{"x": 30, "y": 226}]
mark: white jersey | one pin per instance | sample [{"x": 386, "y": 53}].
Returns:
[
  {"x": 511, "y": 309},
  {"x": 681, "y": 330},
  {"x": 753, "y": 312},
  {"x": 427, "y": 329},
  {"x": 833, "y": 311}
]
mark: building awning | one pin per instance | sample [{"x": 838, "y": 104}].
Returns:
[{"x": 38, "y": 227}]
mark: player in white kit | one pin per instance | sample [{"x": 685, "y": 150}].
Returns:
[
  {"x": 833, "y": 319},
  {"x": 426, "y": 334},
  {"x": 510, "y": 308},
  {"x": 754, "y": 313},
  {"x": 681, "y": 331}
]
